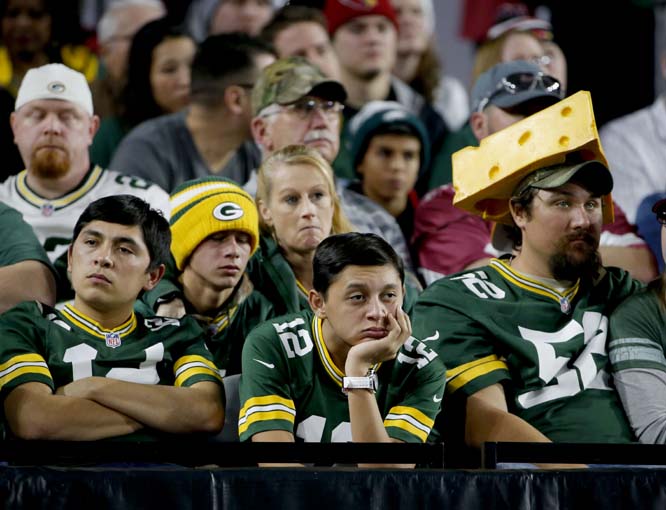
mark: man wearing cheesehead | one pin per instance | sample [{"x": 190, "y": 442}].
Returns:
[{"x": 524, "y": 338}]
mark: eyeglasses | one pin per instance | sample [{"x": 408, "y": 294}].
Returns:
[
  {"x": 523, "y": 82},
  {"x": 305, "y": 107}
]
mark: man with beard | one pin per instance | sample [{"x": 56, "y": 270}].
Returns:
[
  {"x": 53, "y": 125},
  {"x": 525, "y": 338},
  {"x": 447, "y": 239}
]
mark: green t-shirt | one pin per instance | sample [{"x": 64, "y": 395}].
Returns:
[
  {"x": 548, "y": 348},
  {"x": 289, "y": 382}
]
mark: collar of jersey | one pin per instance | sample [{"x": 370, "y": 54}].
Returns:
[
  {"x": 87, "y": 183},
  {"x": 302, "y": 289},
  {"x": 221, "y": 320},
  {"x": 93, "y": 327},
  {"x": 531, "y": 285}
]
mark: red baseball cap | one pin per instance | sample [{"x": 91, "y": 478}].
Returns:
[{"x": 339, "y": 12}]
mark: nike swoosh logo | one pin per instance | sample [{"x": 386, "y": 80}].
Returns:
[
  {"x": 268, "y": 365},
  {"x": 433, "y": 337},
  {"x": 437, "y": 400}
]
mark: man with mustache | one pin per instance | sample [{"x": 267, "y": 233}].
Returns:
[
  {"x": 53, "y": 125},
  {"x": 96, "y": 369},
  {"x": 524, "y": 338}
]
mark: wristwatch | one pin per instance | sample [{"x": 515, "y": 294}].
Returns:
[{"x": 367, "y": 382}]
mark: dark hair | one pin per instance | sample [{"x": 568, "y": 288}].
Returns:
[
  {"x": 524, "y": 201},
  {"x": 130, "y": 210},
  {"x": 428, "y": 73},
  {"x": 223, "y": 60},
  {"x": 338, "y": 251},
  {"x": 138, "y": 98},
  {"x": 289, "y": 15}
]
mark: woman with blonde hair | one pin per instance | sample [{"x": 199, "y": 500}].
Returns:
[{"x": 298, "y": 208}]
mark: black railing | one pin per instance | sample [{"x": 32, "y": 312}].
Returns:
[
  {"x": 573, "y": 453},
  {"x": 199, "y": 453}
]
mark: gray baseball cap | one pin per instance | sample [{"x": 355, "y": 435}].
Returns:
[{"x": 510, "y": 84}]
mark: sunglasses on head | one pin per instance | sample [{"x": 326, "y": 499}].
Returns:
[{"x": 523, "y": 82}]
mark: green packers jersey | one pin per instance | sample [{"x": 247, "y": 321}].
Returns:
[
  {"x": 548, "y": 348},
  {"x": 289, "y": 382},
  {"x": 41, "y": 344},
  {"x": 638, "y": 333}
]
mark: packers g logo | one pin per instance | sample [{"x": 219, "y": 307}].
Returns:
[{"x": 228, "y": 211}]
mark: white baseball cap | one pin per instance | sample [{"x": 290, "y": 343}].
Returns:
[{"x": 55, "y": 81}]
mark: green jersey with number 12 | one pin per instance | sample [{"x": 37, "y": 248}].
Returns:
[
  {"x": 289, "y": 382},
  {"x": 546, "y": 346}
]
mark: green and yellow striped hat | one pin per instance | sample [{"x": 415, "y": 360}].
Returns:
[{"x": 202, "y": 207}]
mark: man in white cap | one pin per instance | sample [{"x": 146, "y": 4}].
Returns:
[{"x": 54, "y": 124}]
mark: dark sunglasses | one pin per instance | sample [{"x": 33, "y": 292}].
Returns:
[
  {"x": 659, "y": 209},
  {"x": 522, "y": 82}
]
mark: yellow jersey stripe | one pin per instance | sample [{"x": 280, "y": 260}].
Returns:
[
  {"x": 192, "y": 358},
  {"x": 264, "y": 416},
  {"x": 195, "y": 371},
  {"x": 450, "y": 374},
  {"x": 93, "y": 327},
  {"x": 267, "y": 400},
  {"x": 37, "y": 201},
  {"x": 414, "y": 413},
  {"x": 333, "y": 371},
  {"x": 461, "y": 380},
  {"x": 302, "y": 288},
  {"x": 531, "y": 285},
  {"x": 408, "y": 427},
  {"x": 31, "y": 369},
  {"x": 22, "y": 358}
]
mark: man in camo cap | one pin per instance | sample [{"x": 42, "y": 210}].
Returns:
[{"x": 294, "y": 102}]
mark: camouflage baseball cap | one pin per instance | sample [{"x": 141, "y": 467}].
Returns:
[{"x": 288, "y": 79}]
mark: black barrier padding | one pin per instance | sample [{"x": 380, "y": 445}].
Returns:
[{"x": 49, "y": 488}]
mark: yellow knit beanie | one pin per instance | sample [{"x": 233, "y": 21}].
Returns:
[{"x": 202, "y": 207}]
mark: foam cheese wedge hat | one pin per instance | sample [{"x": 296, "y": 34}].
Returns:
[{"x": 485, "y": 177}]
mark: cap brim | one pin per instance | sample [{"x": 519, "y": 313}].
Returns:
[
  {"x": 592, "y": 175},
  {"x": 329, "y": 89},
  {"x": 507, "y": 100}
]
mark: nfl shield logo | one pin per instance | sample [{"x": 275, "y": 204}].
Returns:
[
  {"x": 47, "y": 209},
  {"x": 112, "y": 340}
]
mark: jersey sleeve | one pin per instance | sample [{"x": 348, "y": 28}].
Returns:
[
  {"x": 419, "y": 378},
  {"x": 450, "y": 321},
  {"x": 265, "y": 394},
  {"x": 22, "y": 359},
  {"x": 637, "y": 333},
  {"x": 19, "y": 242},
  {"x": 193, "y": 362}
]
